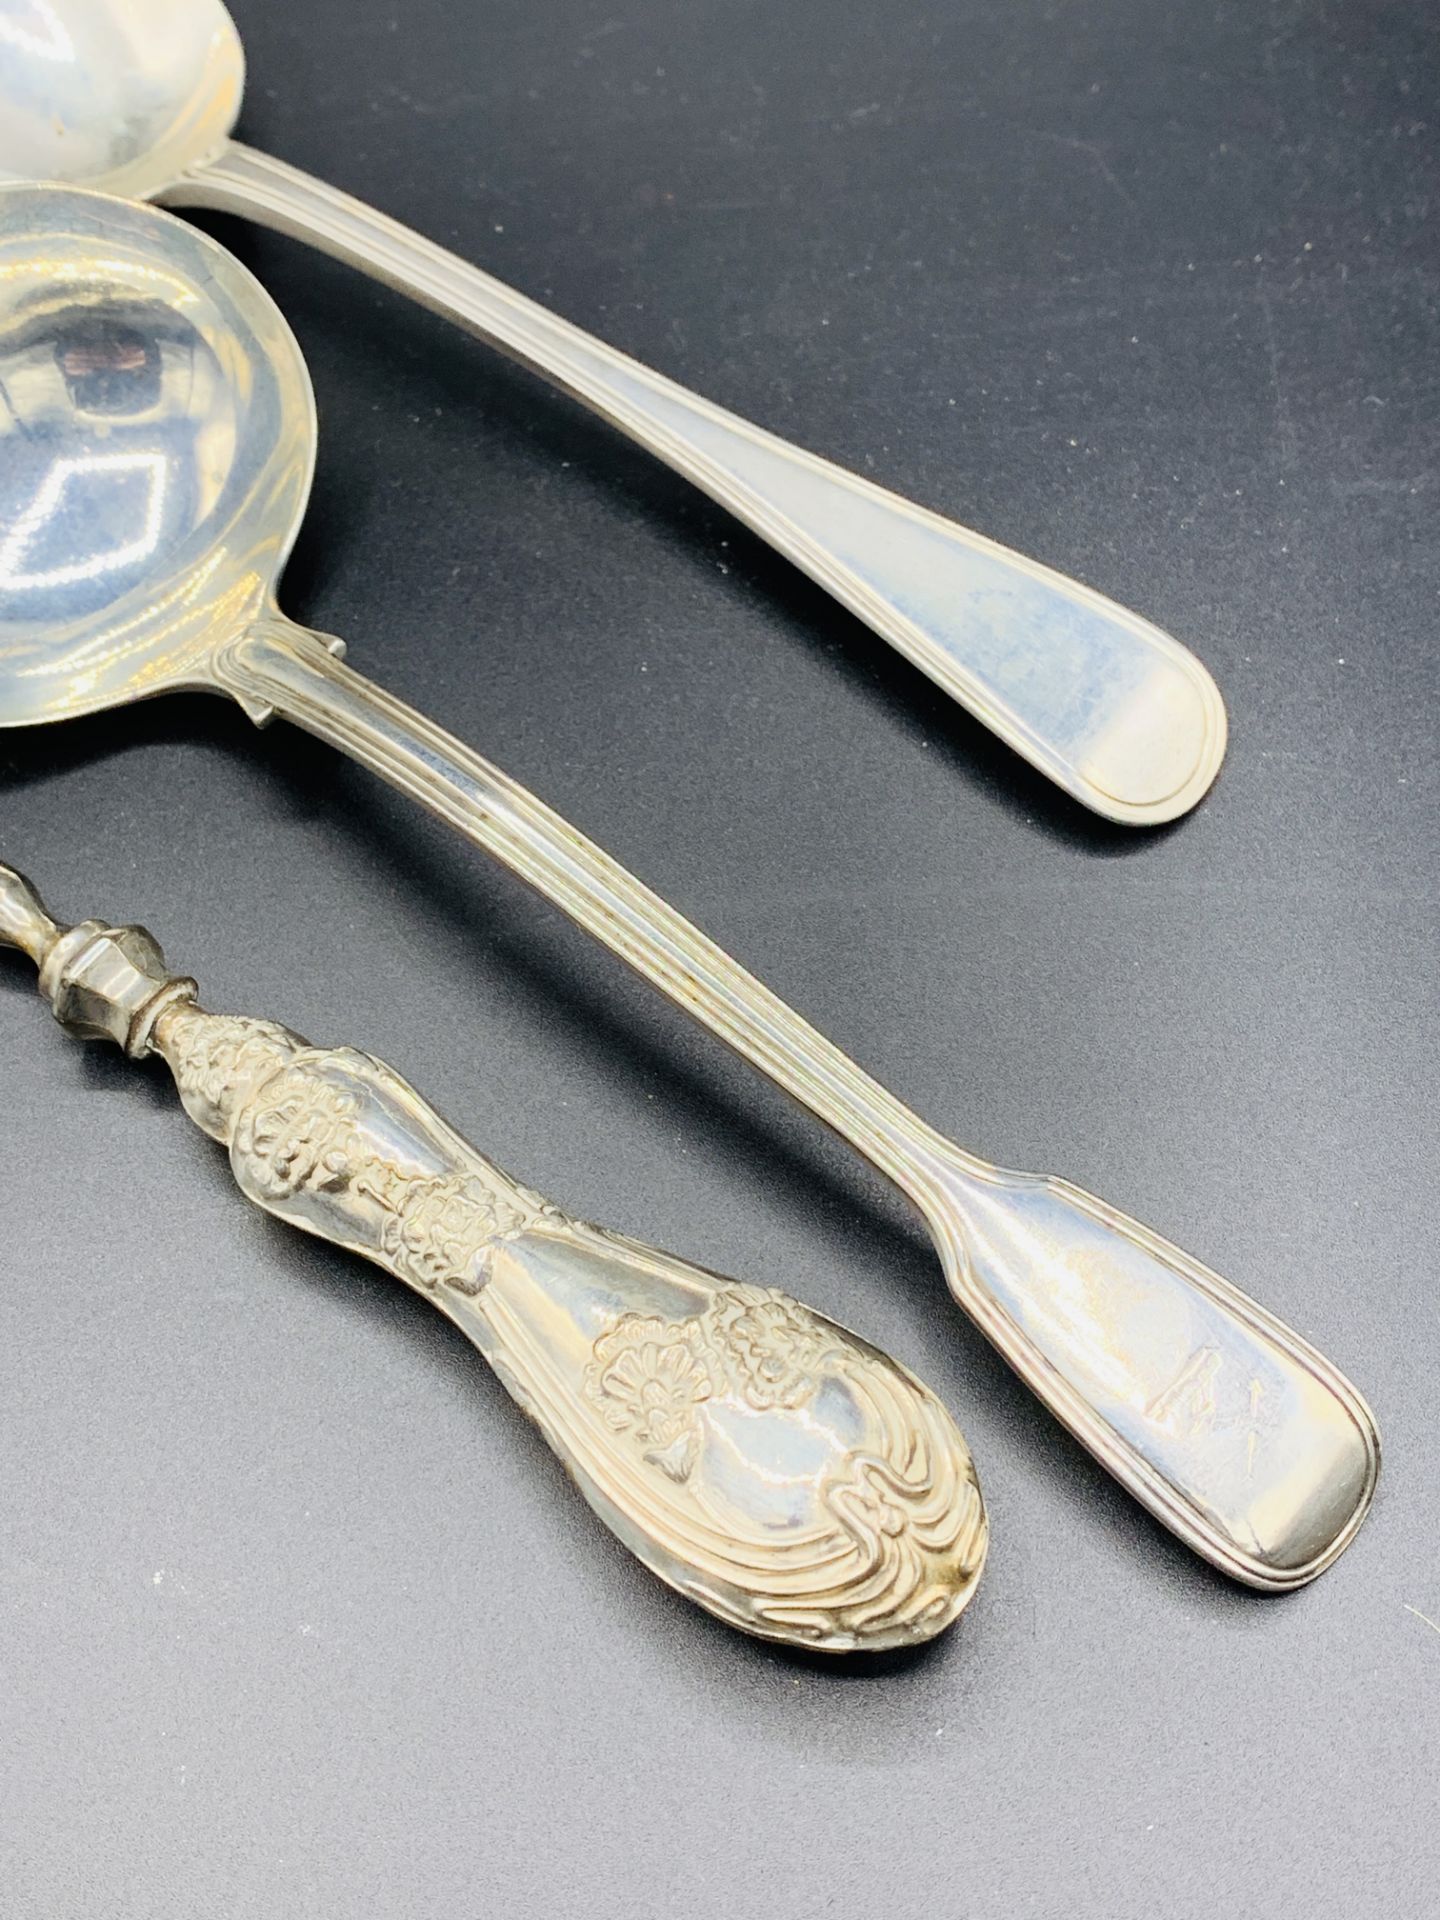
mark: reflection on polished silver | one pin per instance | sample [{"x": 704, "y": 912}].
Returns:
[
  {"x": 158, "y": 433},
  {"x": 138, "y": 97},
  {"x": 768, "y": 1464}
]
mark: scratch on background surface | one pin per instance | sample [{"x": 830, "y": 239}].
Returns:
[
  {"x": 1284, "y": 425},
  {"x": 1093, "y": 151},
  {"x": 1433, "y": 1625}
]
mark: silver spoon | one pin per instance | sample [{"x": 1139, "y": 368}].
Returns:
[
  {"x": 157, "y": 434},
  {"x": 138, "y": 97}
]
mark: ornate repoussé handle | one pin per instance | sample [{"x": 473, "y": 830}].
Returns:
[{"x": 770, "y": 1465}]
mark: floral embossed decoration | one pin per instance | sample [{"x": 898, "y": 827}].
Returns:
[
  {"x": 770, "y": 1344},
  {"x": 650, "y": 1376},
  {"x": 438, "y": 1236},
  {"x": 217, "y": 1061},
  {"x": 300, "y": 1134}
]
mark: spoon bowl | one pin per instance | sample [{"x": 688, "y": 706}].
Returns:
[{"x": 121, "y": 96}]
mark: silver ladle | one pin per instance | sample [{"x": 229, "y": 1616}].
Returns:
[
  {"x": 157, "y": 436},
  {"x": 138, "y": 97}
]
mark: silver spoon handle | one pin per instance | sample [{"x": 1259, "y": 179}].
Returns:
[
  {"x": 1232, "y": 1430},
  {"x": 1109, "y": 707}
]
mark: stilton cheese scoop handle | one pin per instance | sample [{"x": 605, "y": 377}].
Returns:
[{"x": 770, "y": 1465}]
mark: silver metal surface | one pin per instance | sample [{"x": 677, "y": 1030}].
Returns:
[
  {"x": 155, "y": 451},
  {"x": 763, "y": 1461},
  {"x": 138, "y": 97}
]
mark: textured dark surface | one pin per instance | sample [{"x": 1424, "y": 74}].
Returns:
[{"x": 299, "y": 1617}]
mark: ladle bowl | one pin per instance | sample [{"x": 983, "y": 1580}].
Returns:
[{"x": 159, "y": 446}]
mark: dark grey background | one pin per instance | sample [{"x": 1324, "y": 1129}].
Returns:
[{"x": 299, "y": 1617}]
